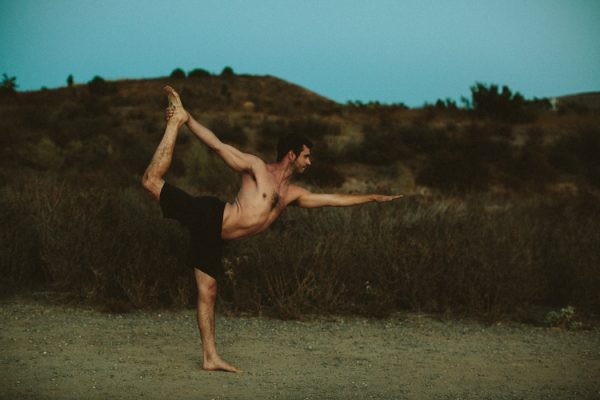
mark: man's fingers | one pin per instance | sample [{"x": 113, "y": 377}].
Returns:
[
  {"x": 168, "y": 113},
  {"x": 389, "y": 198}
]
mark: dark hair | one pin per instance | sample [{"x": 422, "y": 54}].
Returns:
[{"x": 292, "y": 142}]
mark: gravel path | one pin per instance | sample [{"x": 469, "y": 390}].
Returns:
[{"x": 58, "y": 352}]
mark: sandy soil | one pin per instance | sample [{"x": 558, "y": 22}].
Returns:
[{"x": 58, "y": 352}]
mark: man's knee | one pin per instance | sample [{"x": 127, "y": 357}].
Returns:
[
  {"x": 208, "y": 291},
  {"x": 207, "y": 287},
  {"x": 153, "y": 185}
]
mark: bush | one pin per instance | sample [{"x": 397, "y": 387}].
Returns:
[
  {"x": 488, "y": 101},
  {"x": 9, "y": 84},
  {"x": 199, "y": 73},
  {"x": 178, "y": 73},
  {"x": 98, "y": 86},
  {"x": 227, "y": 72}
]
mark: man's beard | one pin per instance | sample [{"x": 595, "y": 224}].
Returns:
[{"x": 300, "y": 170}]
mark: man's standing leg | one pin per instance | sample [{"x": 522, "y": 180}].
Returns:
[{"x": 207, "y": 295}]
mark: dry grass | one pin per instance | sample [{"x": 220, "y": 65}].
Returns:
[{"x": 484, "y": 256}]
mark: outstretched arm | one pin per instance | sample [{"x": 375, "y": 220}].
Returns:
[{"x": 308, "y": 199}]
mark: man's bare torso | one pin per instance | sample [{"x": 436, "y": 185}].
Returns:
[{"x": 259, "y": 202}]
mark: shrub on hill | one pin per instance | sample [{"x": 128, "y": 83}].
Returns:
[
  {"x": 227, "y": 72},
  {"x": 178, "y": 73},
  {"x": 8, "y": 86},
  {"x": 98, "y": 86},
  {"x": 198, "y": 73},
  {"x": 488, "y": 101}
]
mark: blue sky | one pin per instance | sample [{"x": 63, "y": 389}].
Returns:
[{"x": 389, "y": 51}]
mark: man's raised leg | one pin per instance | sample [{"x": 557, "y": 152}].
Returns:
[
  {"x": 161, "y": 160},
  {"x": 207, "y": 295}
]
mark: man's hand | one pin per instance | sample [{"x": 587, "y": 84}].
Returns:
[
  {"x": 168, "y": 113},
  {"x": 380, "y": 198}
]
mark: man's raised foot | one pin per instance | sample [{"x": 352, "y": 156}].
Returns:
[{"x": 175, "y": 112}]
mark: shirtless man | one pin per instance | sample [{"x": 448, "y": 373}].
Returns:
[{"x": 264, "y": 193}]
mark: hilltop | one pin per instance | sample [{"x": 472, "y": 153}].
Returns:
[
  {"x": 108, "y": 130},
  {"x": 590, "y": 101}
]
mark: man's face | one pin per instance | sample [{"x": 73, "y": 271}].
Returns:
[{"x": 302, "y": 161}]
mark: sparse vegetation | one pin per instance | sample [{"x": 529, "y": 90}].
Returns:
[
  {"x": 425, "y": 254},
  {"x": 498, "y": 233}
]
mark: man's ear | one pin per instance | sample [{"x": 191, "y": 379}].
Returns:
[{"x": 291, "y": 155}]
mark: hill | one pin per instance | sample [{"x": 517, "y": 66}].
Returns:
[
  {"x": 590, "y": 101},
  {"x": 108, "y": 131}
]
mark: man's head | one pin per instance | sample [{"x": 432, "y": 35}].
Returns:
[{"x": 297, "y": 148}]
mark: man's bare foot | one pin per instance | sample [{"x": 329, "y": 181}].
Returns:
[
  {"x": 175, "y": 112},
  {"x": 216, "y": 364}
]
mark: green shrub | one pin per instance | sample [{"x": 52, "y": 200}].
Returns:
[
  {"x": 98, "y": 86},
  {"x": 199, "y": 73},
  {"x": 504, "y": 105},
  {"x": 8, "y": 85},
  {"x": 227, "y": 72},
  {"x": 178, "y": 73}
]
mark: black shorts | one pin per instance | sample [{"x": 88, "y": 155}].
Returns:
[{"x": 203, "y": 217}]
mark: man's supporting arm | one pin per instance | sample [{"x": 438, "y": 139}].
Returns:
[
  {"x": 307, "y": 199},
  {"x": 235, "y": 159}
]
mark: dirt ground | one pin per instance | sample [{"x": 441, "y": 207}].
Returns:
[{"x": 51, "y": 351}]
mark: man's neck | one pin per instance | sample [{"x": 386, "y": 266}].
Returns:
[{"x": 282, "y": 171}]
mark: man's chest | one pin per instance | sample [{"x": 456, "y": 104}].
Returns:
[{"x": 265, "y": 192}]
